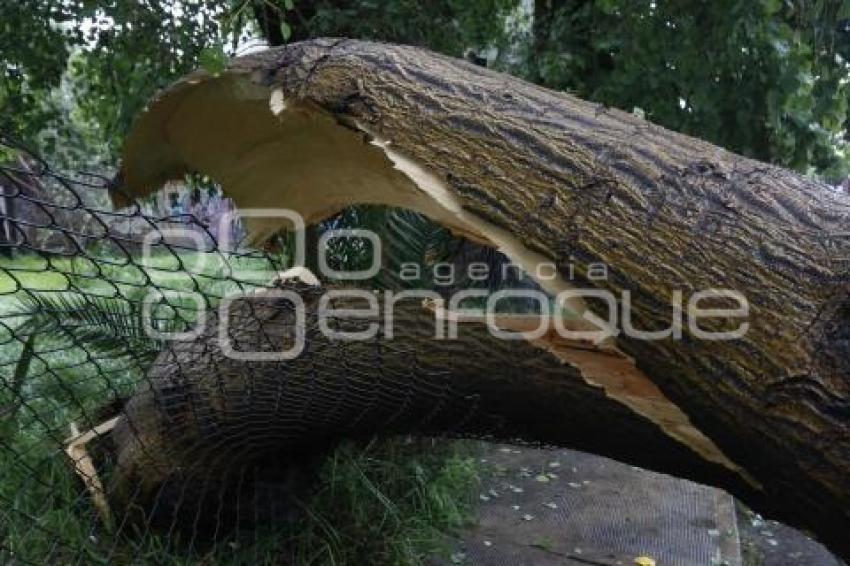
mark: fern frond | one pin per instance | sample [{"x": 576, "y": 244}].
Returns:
[{"x": 110, "y": 325}]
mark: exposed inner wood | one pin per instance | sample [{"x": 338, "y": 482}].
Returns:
[{"x": 77, "y": 451}]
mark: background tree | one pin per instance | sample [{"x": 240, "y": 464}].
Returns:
[
  {"x": 764, "y": 78},
  {"x": 106, "y": 59}
]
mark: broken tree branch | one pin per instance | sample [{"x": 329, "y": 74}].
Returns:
[{"x": 548, "y": 178}]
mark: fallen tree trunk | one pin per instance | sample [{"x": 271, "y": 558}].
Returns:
[
  {"x": 320, "y": 125},
  {"x": 202, "y": 413}
]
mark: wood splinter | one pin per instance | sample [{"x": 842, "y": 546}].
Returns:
[{"x": 76, "y": 449}]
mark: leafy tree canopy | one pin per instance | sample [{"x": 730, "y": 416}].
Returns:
[{"x": 767, "y": 78}]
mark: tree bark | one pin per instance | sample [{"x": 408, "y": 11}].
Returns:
[
  {"x": 200, "y": 410},
  {"x": 541, "y": 175}
]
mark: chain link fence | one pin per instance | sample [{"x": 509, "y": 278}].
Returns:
[
  {"x": 85, "y": 292},
  {"x": 119, "y": 444}
]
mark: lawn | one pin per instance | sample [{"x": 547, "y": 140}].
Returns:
[{"x": 35, "y": 273}]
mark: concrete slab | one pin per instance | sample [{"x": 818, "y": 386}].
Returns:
[{"x": 542, "y": 507}]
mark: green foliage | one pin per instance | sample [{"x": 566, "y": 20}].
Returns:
[
  {"x": 410, "y": 238},
  {"x": 107, "y": 326},
  {"x": 84, "y": 70},
  {"x": 213, "y": 60},
  {"x": 34, "y": 51},
  {"x": 765, "y": 78},
  {"x": 406, "y": 237},
  {"x": 447, "y": 26},
  {"x": 113, "y": 56},
  {"x": 10, "y": 395},
  {"x": 388, "y": 502},
  {"x": 129, "y": 51}
]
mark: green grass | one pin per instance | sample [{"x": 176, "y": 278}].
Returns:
[
  {"x": 386, "y": 502},
  {"x": 389, "y": 502},
  {"x": 166, "y": 271}
]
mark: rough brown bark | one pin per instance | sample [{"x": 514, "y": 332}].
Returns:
[
  {"x": 201, "y": 411},
  {"x": 577, "y": 183}
]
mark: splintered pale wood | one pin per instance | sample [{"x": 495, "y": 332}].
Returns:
[{"x": 77, "y": 451}]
